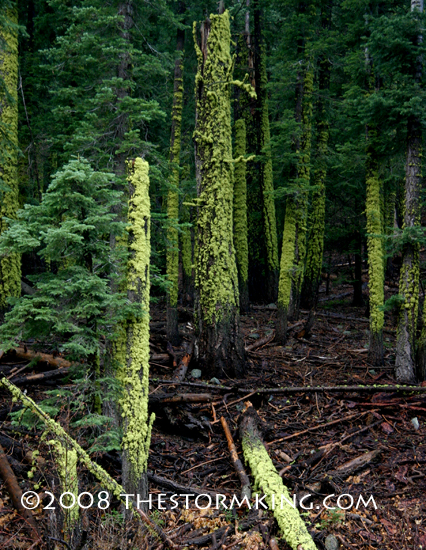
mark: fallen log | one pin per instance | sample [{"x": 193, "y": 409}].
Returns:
[
  {"x": 180, "y": 373},
  {"x": 261, "y": 342},
  {"x": 266, "y": 477},
  {"x": 238, "y": 465},
  {"x": 15, "y": 493},
  {"x": 30, "y": 355},
  {"x": 35, "y": 378},
  {"x": 178, "y": 398},
  {"x": 178, "y": 487}
]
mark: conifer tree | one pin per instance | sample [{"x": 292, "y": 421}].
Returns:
[
  {"x": 409, "y": 275},
  {"x": 240, "y": 213},
  {"x": 10, "y": 266},
  {"x": 173, "y": 195},
  {"x": 219, "y": 343},
  {"x": 132, "y": 348}
]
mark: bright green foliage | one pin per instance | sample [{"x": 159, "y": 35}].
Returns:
[
  {"x": 216, "y": 272},
  {"x": 10, "y": 266},
  {"x": 240, "y": 202},
  {"x": 69, "y": 229},
  {"x": 133, "y": 351},
  {"x": 287, "y": 255}
]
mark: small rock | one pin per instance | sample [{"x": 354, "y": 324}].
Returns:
[
  {"x": 415, "y": 423},
  {"x": 196, "y": 373},
  {"x": 331, "y": 543},
  {"x": 215, "y": 381}
]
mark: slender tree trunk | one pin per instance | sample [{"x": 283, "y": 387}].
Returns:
[
  {"x": 358, "y": 300},
  {"x": 264, "y": 152},
  {"x": 409, "y": 276},
  {"x": 219, "y": 346},
  {"x": 132, "y": 349},
  {"x": 173, "y": 194},
  {"x": 375, "y": 253},
  {"x": 10, "y": 265},
  {"x": 240, "y": 214}
]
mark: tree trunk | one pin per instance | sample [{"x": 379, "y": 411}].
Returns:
[
  {"x": 409, "y": 275},
  {"x": 173, "y": 193},
  {"x": 10, "y": 265},
  {"x": 264, "y": 152},
  {"x": 132, "y": 350},
  {"x": 358, "y": 300},
  {"x": 219, "y": 345},
  {"x": 240, "y": 214}
]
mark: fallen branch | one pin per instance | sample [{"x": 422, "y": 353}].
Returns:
[
  {"x": 157, "y": 529},
  {"x": 238, "y": 465},
  {"x": 15, "y": 493},
  {"x": 30, "y": 355},
  {"x": 34, "y": 378},
  {"x": 180, "y": 373},
  {"x": 178, "y": 487},
  {"x": 260, "y": 342},
  {"x": 354, "y": 464},
  {"x": 266, "y": 477},
  {"x": 178, "y": 398}
]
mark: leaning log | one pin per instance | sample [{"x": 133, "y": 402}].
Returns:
[
  {"x": 15, "y": 493},
  {"x": 269, "y": 481}
]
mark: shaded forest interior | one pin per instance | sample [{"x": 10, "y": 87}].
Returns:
[{"x": 212, "y": 274}]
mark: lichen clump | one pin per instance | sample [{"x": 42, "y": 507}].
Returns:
[{"x": 10, "y": 266}]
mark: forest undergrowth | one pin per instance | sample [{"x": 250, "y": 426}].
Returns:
[{"x": 326, "y": 442}]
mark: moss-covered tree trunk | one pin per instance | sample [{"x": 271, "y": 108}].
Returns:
[
  {"x": 264, "y": 152},
  {"x": 132, "y": 349},
  {"x": 405, "y": 366},
  {"x": 219, "y": 346},
  {"x": 240, "y": 214},
  {"x": 294, "y": 235},
  {"x": 173, "y": 196},
  {"x": 375, "y": 252},
  {"x": 409, "y": 275},
  {"x": 315, "y": 243},
  {"x": 10, "y": 266}
]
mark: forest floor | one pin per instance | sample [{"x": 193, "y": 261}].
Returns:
[{"x": 312, "y": 438}]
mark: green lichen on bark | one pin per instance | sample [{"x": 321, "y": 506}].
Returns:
[
  {"x": 66, "y": 461},
  {"x": 56, "y": 429},
  {"x": 173, "y": 192},
  {"x": 303, "y": 179},
  {"x": 240, "y": 209},
  {"x": 216, "y": 277},
  {"x": 375, "y": 262},
  {"x": 133, "y": 347},
  {"x": 269, "y": 218},
  {"x": 277, "y": 496},
  {"x": 10, "y": 266}
]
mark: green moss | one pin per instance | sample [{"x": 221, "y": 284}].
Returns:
[
  {"x": 66, "y": 461},
  {"x": 10, "y": 266},
  {"x": 132, "y": 348},
  {"x": 287, "y": 267},
  {"x": 216, "y": 276},
  {"x": 240, "y": 202},
  {"x": 375, "y": 251},
  {"x": 277, "y": 495},
  {"x": 303, "y": 175},
  {"x": 173, "y": 192},
  {"x": 267, "y": 176},
  {"x": 56, "y": 429}
]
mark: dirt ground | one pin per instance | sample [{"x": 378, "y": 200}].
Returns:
[{"x": 312, "y": 438}]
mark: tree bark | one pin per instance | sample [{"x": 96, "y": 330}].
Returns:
[
  {"x": 173, "y": 192},
  {"x": 219, "y": 346}
]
